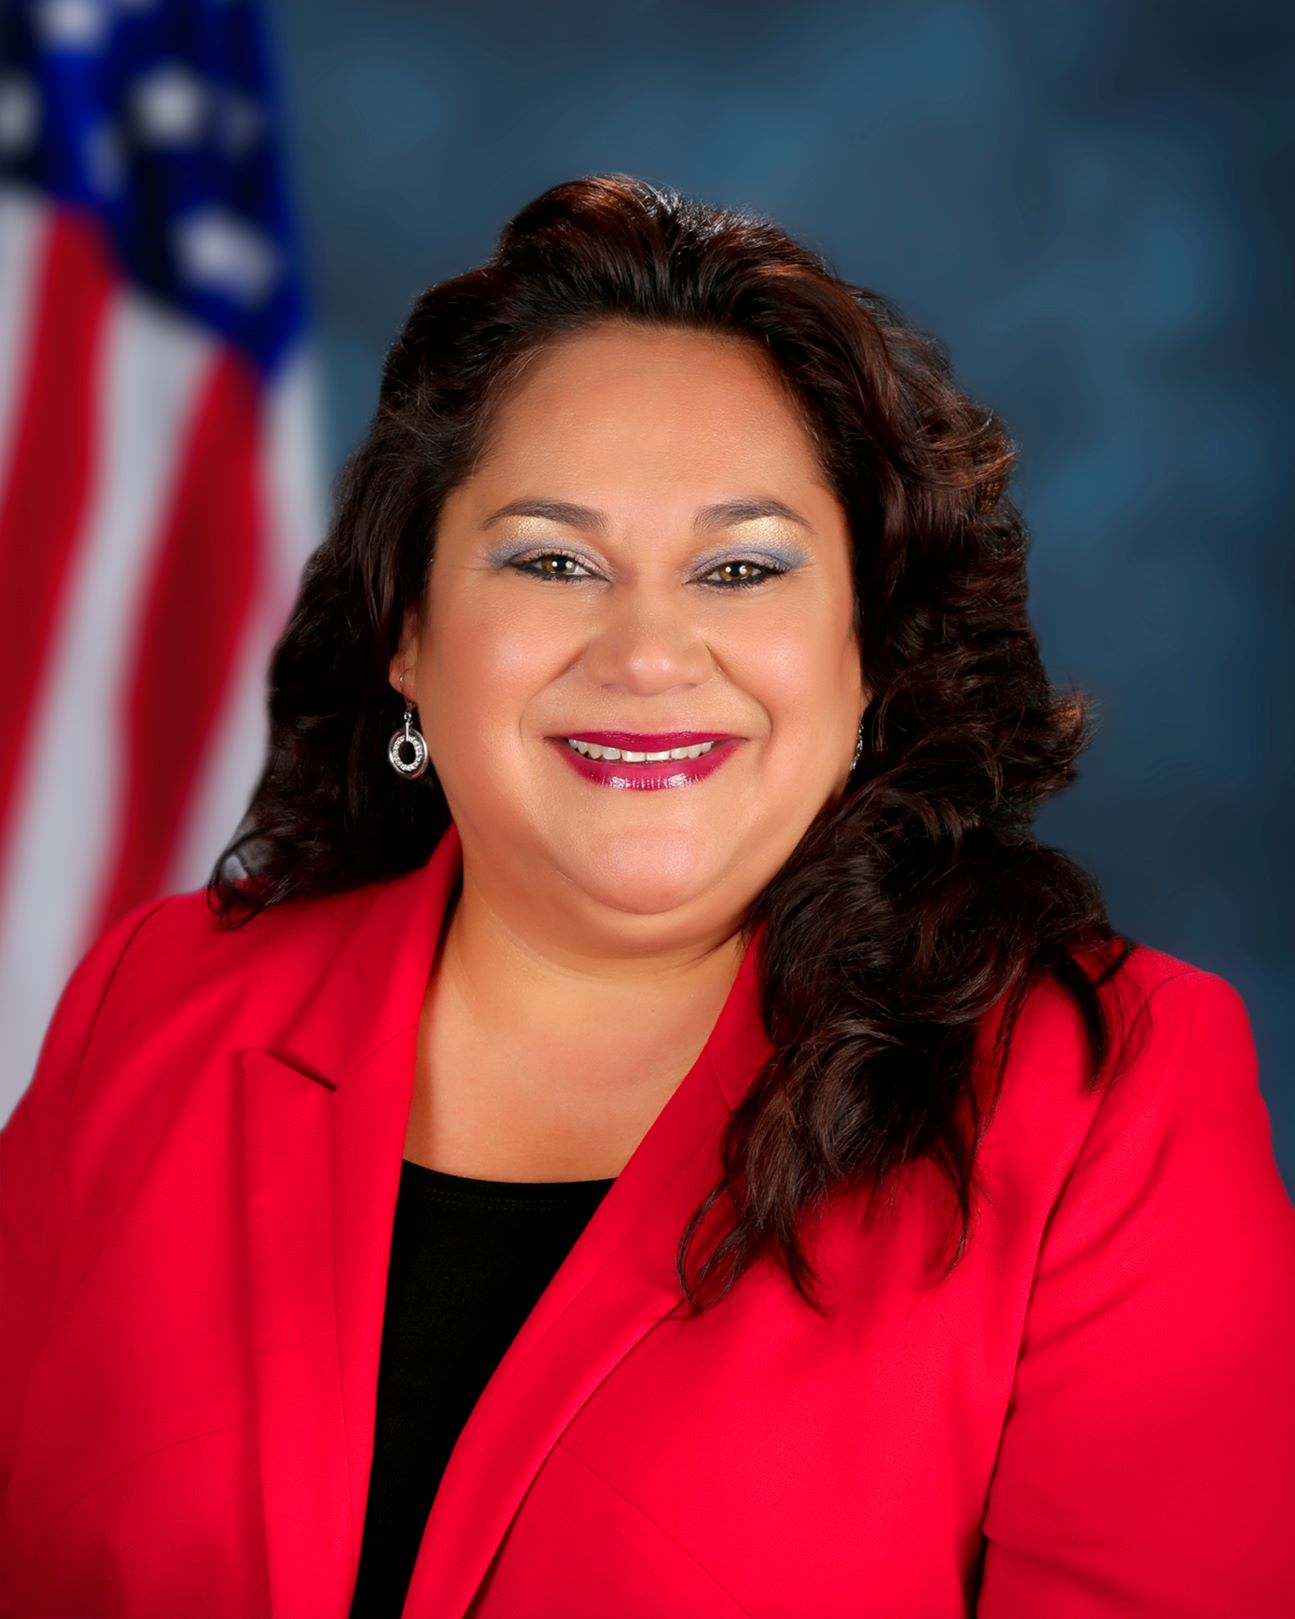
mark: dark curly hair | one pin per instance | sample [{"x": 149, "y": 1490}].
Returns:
[{"x": 916, "y": 902}]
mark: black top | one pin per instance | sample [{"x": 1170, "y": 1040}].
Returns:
[{"x": 469, "y": 1259}]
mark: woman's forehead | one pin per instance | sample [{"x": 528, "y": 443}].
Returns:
[{"x": 618, "y": 405}]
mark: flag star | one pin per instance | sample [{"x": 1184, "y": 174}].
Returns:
[
  {"x": 76, "y": 25},
  {"x": 19, "y": 114},
  {"x": 170, "y": 105},
  {"x": 222, "y": 253}
]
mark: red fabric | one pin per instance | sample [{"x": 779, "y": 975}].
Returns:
[{"x": 1092, "y": 1418}]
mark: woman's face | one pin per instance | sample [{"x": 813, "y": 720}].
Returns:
[{"x": 645, "y": 436}]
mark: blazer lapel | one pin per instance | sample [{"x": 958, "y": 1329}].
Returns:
[
  {"x": 301, "y": 1429},
  {"x": 324, "y": 1127},
  {"x": 614, "y": 1285}
]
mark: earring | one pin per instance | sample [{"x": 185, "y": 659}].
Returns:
[
  {"x": 412, "y": 737},
  {"x": 858, "y": 749}
]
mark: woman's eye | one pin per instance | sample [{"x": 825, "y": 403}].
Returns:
[
  {"x": 531, "y": 565},
  {"x": 754, "y": 573}
]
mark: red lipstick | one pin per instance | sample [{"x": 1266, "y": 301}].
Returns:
[{"x": 627, "y": 774}]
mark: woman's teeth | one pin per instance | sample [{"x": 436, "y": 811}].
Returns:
[{"x": 592, "y": 751}]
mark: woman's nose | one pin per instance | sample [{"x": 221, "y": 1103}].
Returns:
[{"x": 656, "y": 639}]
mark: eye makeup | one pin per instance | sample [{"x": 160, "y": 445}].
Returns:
[{"x": 781, "y": 558}]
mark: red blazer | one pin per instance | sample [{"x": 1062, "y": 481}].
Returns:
[{"x": 1093, "y": 1416}]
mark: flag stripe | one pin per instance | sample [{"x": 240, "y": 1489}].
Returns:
[
  {"x": 23, "y": 223},
  {"x": 292, "y": 482},
  {"x": 42, "y": 505},
  {"x": 199, "y": 600},
  {"x": 66, "y": 822}
]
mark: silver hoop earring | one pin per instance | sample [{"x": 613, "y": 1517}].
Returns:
[{"x": 412, "y": 737}]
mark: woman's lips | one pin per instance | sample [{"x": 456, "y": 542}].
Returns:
[{"x": 637, "y": 777}]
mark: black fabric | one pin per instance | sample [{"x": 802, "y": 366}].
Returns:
[{"x": 469, "y": 1258}]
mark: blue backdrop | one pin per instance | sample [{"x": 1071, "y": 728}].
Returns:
[{"x": 1087, "y": 202}]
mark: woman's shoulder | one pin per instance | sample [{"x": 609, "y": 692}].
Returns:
[
  {"x": 1143, "y": 992},
  {"x": 1180, "y": 1058},
  {"x": 183, "y": 936},
  {"x": 172, "y": 962},
  {"x": 1181, "y": 1034}
]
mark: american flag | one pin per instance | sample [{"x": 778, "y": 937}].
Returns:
[{"x": 159, "y": 468}]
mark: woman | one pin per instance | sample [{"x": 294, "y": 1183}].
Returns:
[{"x": 636, "y": 1125}]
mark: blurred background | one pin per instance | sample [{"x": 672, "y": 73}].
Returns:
[{"x": 215, "y": 214}]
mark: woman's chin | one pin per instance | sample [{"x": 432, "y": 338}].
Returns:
[{"x": 641, "y": 877}]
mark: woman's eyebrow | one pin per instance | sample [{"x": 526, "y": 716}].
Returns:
[
  {"x": 727, "y": 512},
  {"x": 723, "y": 514}
]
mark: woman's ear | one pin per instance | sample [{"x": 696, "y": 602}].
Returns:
[{"x": 405, "y": 656}]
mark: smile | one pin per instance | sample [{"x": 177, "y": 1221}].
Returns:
[
  {"x": 617, "y": 768},
  {"x": 593, "y": 751}
]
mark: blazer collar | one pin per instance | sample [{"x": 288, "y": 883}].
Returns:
[
  {"x": 373, "y": 986},
  {"x": 324, "y": 1119}
]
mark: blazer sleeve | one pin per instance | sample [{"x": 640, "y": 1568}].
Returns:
[
  {"x": 1147, "y": 1460},
  {"x": 30, "y": 1144}
]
